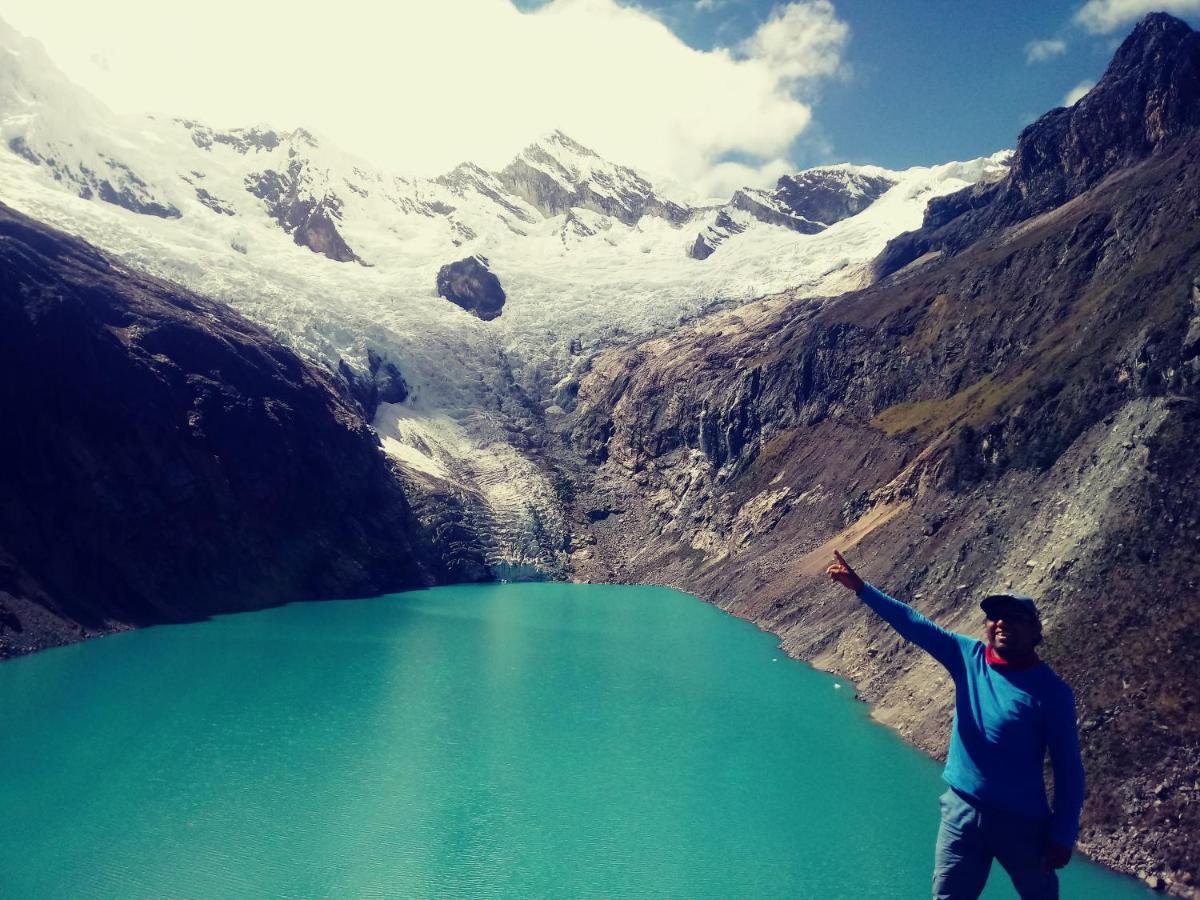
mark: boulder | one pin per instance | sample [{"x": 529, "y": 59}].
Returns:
[{"x": 469, "y": 283}]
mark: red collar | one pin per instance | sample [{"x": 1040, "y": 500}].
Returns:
[{"x": 996, "y": 661}]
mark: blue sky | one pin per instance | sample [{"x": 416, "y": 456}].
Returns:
[{"x": 927, "y": 81}]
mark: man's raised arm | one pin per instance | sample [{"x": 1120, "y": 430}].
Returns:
[{"x": 939, "y": 643}]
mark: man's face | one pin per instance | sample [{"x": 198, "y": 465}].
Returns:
[{"x": 1011, "y": 633}]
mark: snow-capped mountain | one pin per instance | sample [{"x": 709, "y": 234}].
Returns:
[
  {"x": 341, "y": 260},
  {"x": 557, "y": 175},
  {"x": 807, "y": 202}
]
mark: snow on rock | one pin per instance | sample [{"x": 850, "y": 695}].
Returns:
[
  {"x": 72, "y": 138},
  {"x": 812, "y": 200}
]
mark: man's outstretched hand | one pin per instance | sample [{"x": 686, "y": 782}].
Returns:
[{"x": 841, "y": 572}]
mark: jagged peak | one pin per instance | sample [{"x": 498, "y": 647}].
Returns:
[
  {"x": 467, "y": 168},
  {"x": 1147, "y": 100},
  {"x": 1149, "y": 93},
  {"x": 1154, "y": 29},
  {"x": 1161, "y": 49},
  {"x": 572, "y": 161},
  {"x": 560, "y": 140}
]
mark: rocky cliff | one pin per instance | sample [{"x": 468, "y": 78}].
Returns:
[
  {"x": 1018, "y": 411},
  {"x": 164, "y": 459},
  {"x": 812, "y": 200}
]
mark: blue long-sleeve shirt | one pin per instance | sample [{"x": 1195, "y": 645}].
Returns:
[{"x": 1004, "y": 723}]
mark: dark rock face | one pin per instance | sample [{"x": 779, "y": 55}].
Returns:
[
  {"x": 829, "y": 195},
  {"x": 723, "y": 228},
  {"x": 811, "y": 201},
  {"x": 758, "y": 204},
  {"x": 807, "y": 202},
  {"x": 1018, "y": 413},
  {"x": 311, "y": 221},
  {"x": 382, "y": 383},
  {"x": 470, "y": 284},
  {"x": 214, "y": 203},
  {"x": 1149, "y": 96},
  {"x": 166, "y": 460}
]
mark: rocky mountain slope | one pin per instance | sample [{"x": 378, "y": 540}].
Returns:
[
  {"x": 1013, "y": 406},
  {"x": 165, "y": 459}
]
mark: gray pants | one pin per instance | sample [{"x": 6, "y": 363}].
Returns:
[{"x": 972, "y": 836}]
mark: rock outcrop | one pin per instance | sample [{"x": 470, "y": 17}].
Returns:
[
  {"x": 381, "y": 383},
  {"x": 812, "y": 200},
  {"x": 1020, "y": 411},
  {"x": 46, "y": 121},
  {"x": 311, "y": 218},
  {"x": 807, "y": 203},
  {"x": 470, "y": 284},
  {"x": 246, "y": 140},
  {"x": 723, "y": 227},
  {"x": 115, "y": 183},
  {"x": 166, "y": 460},
  {"x": 469, "y": 178}
]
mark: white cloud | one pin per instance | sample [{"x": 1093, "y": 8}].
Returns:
[
  {"x": 1103, "y": 16},
  {"x": 800, "y": 41},
  {"x": 1040, "y": 51},
  {"x": 421, "y": 85},
  {"x": 722, "y": 179},
  {"x": 1075, "y": 94}
]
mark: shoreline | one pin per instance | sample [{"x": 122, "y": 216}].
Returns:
[{"x": 1095, "y": 848}]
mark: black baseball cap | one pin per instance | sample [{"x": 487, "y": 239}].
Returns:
[{"x": 995, "y": 605}]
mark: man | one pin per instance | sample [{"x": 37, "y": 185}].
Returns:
[{"x": 1009, "y": 709}]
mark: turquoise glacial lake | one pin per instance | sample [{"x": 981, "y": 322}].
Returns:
[{"x": 523, "y": 740}]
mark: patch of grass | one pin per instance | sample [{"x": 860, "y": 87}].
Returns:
[
  {"x": 1103, "y": 318},
  {"x": 973, "y": 406}
]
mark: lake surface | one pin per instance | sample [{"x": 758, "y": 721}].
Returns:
[{"x": 482, "y": 741}]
